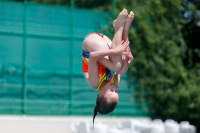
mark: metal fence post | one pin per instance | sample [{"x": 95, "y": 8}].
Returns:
[
  {"x": 24, "y": 58},
  {"x": 71, "y": 56},
  {"x": 114, "y": 4}
]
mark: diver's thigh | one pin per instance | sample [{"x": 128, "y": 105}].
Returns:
[
  {"x": 94, "y": 42},
  {"x": 107, "y": 40}
]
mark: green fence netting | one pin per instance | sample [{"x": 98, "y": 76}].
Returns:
[{"x": 40, "y": 64}]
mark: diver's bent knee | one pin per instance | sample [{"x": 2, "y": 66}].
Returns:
[
  {"x": 118, "y": 67},
  {"x": 122, "y": 72}
]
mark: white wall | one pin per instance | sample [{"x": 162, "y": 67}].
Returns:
[
  {"x": 83, "y": 124},
  {"x": 46, "y": 124}
]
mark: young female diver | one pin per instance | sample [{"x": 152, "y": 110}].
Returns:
[{"x": 100, "y": 56}]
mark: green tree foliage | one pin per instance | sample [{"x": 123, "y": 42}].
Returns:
[
  {"x": 161, "y": 68},
  {"x": 191, "y": 33}
]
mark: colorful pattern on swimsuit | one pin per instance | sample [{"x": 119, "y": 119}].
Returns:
[{"x": 103, "y": 72}]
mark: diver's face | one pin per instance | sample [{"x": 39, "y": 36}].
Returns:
[{"x": 109, "y": 91}]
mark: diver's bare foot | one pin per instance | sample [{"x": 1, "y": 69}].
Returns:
[
  {"x": 120, "y": 21},
  {"x": 129, "y": 20}
]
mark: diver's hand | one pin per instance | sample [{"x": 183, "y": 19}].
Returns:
[{"x": 120, "y": 49}]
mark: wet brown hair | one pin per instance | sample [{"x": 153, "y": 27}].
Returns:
[{"x": 103, "y": 106}]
